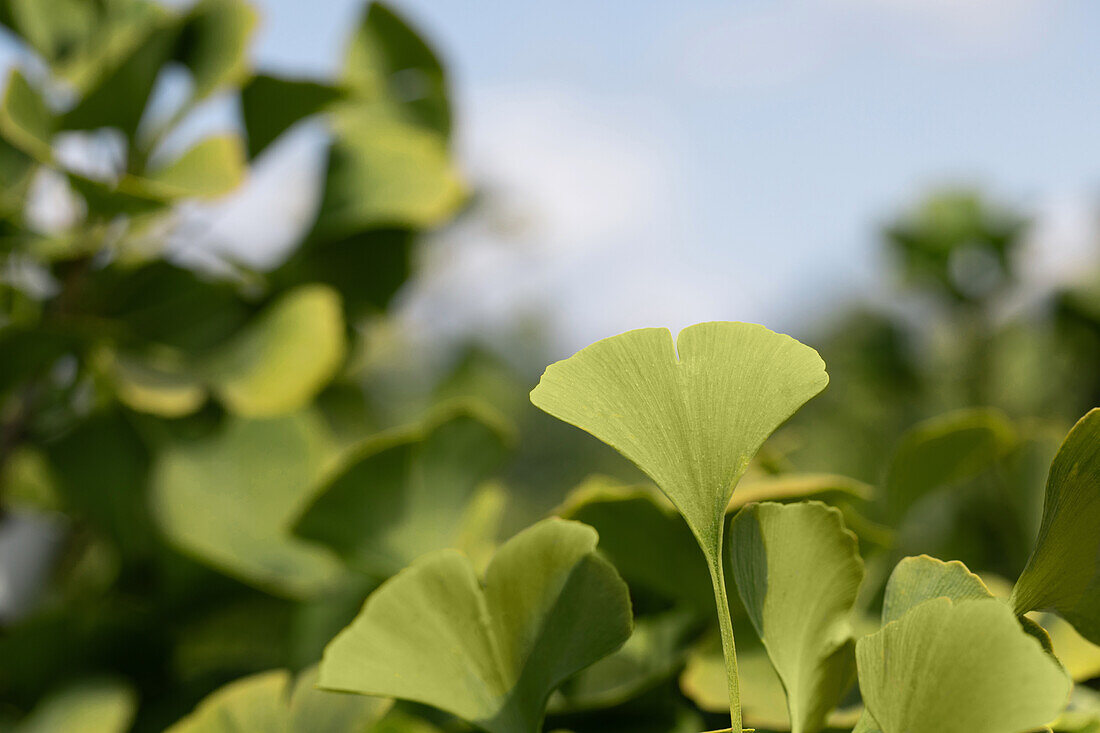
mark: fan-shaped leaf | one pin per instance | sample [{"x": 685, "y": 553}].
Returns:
[
  {"x": 491, "y": 655},
  {"x": 408, "y": 492},
  {"x": 798, "y": 571},
  {"x": 966, "y": 667},
  {"x": 271, "y": 702},
  {"x": 1064, "y": 570},
  {"x": 919, "y": 579},
  {"x": 103, "y": 706},
  {"x": 229, "y": 499}
]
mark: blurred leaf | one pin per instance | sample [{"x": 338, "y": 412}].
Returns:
[
  {"x": 966, "y": 667},
  {"x": 25, "y": 119},
  {"x": 408, "y": 492},
  {"x": 652, "y": 654},
  {"x": 283, "y": 357},
  {"x": 797, "y": 487},
  {"x": 214, "y": 43},
  {"x": 643, "y": 537},
  {"x": 550, "y": 606},
  {"x": 229, "y": 498},
  {"x": 271, "y": 105},
  {"x": 367, "y": 268},
  {"x": 798, "y": 571},
  {"x": 386, "y": 174},
  {"x": 1080, "y": 657},
  {"x": 395, "y": 71},
  {"x": 212, "y": 168},
  {"x": 102, "y": 468},
  {"x": 1064, "y": 570},
  {"x": 944, "y": 451},
  {"x": 103, "y": 706},
  {"x": 51, "y": 27},
  {"x": 119, "y": 97},
  {"x": 153, "y": 386},
  {"x": 270, "y": 702}
]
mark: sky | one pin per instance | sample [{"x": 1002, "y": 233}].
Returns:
[{"x": 655, "y": 163}]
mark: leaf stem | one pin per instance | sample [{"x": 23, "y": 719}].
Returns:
[{"x": 729, "y": 649}]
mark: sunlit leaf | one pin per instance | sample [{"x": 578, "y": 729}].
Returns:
[
  {"x": 408, "y": 492},
  {"x": 692, "y": 420},
  {"x": 383, "y": 173},
  {"x": 491, "y": 655},
  {"x": 965, "y": 667},
  {"x": 691, "y": 413},
  {"x": 213, "y": 167},
  {"x": 785, "y": 487},
  {"x": 25, "y": 119},
  {"x": 798, "y": 571},
  {"x": 89, "y": 707},
  {"x": 271, "y": 702},
  {"x": 1064, "y": 570},
  {"x": 229, "y": 498},
  {"x": 284, "y": 356},
  {"x": 161, "y": 388}
]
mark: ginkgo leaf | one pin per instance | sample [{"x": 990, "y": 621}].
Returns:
[
  {"x": 691, "y": 414},
  {"x": 967, "y": 667},
  {"x": 798, "y": 487},
  {"x": 653, "y": 653},
  {"x": 798, "y": 571},
  {"x": 100, "y": 706},
  {"x": 1079, "y": 656},
  {"x": 213, "y": 167},
  {"x": 1064, "y": 570},
  {"x": 943, "y": 451},
  {"x": 25, "y": 120},
  {"x": 273, "y": 702},
  {"x": 230, "y": 497},
  {"x": 648, "y": 543},
  {"x": 270, "y": 105},
  {"x": 408, "y": 492},
  {"x": 283, "y": 357},
  {"x": 915, "y": 580},
  {"x": 490, "y": 654},
  {"x": 214, "y": 43}
]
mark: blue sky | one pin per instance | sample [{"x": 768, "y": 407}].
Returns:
[{"x": 657, "y": 163}]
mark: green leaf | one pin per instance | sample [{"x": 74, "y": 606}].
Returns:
[
  {"x": 271, "y": 105},
  {"x": 214, "y": 43},
  {"x": 408, "y": 492},
  {"x": 1064, "y": 570},
  {"x": 693, "y": 420},
  {"x": 119, "y": 97},
  {"x": 213, "y": 167},
  {"x": 25, "y": 120},
  {"x": 271, "y": 702},
  {"x": 798, "y": 571},
  {"x": 491, "y": 655},
  {"x": 919, "y": 579},
  {"x": 652, "y": 654},
  {"x": 966, "y": 667},
  {"x": 386, "y": 174},
  {"x": 158, "y": 384},
  {"x": 103, "y": 706},
  {"x": 262, "y": 470},
  {"x": 650, "y": 546},
  {"x": 944, "y": 451},
  {"x": 51, "y": 27},
  {"x": 396, "y": 72},
  {"x": 786, "y": 487},
  {"x": 283, "y": 357}
]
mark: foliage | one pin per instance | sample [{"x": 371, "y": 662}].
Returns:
[{"x": 236, "y": 502}]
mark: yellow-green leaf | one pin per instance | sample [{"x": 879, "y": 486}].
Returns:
[{"x": 1063, "y": 572}]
